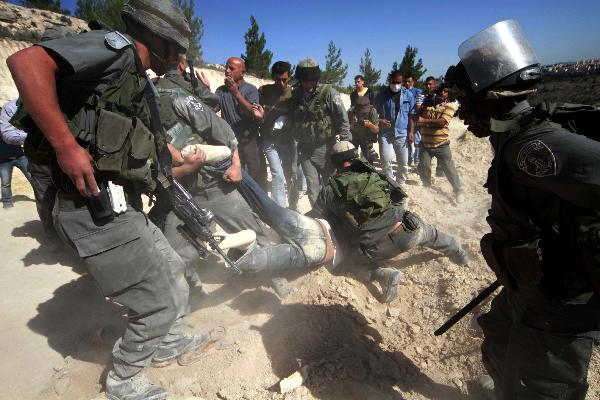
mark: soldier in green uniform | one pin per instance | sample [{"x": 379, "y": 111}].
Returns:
[
  {"x": 87, "y": 105},
  {"x": 364, "y": 126},
  {"x": 318, "y": 118},
  {"x": 367, "y": 212}
]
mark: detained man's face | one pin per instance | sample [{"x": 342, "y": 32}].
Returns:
[
  {"x": 282, "y": 79},
  {"x": 308, "y": 86}
]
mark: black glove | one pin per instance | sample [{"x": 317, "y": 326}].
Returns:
[{"x": 411, "y": 221}]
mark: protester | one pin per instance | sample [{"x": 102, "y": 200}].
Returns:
[
  {"x": 11, "y": 152},
  {"x": 396, "y": 106},
  {"x": 413, "y": 148},
  {"x": 433, "y": 120},
  {"x": 238, "y": 100}
]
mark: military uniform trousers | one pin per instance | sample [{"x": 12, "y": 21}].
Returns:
[
  {"x": 402, "y": 239},
  {"x": 45, "y": 195},
  {"x": 317, "y": 167},
  {"x": 133, "y": 263},
  {"x": 539, "y": 350}
]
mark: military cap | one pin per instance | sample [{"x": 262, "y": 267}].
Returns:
[
  {"x": 161, "y": 17},
  {"x": 308, "y": 69},
  {"x": 343, "y": 151}
]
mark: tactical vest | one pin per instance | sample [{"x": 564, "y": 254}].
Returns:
[
  {"x": 312, "y": 121},
  {"x": 111, "y": 125},
  {"x": 361, "y": 194},
  {"x": 549, "y": 252}
]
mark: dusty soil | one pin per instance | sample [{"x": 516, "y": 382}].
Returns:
[{"x": 57, "y": 338}]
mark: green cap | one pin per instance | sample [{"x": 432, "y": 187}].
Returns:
[{"x": 161, "y": 17}]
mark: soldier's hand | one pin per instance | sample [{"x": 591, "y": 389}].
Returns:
[
  {"x": 385, "y": 123},
  {"x": 203, "y": 79},
  {"x": 233, "y": 174},
  {"x": 78, "y": 165}
]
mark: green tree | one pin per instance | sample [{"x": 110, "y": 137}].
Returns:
[
  {"x": 46, "y": 5},
  {"x": 197, "y": 28},
  {"x": 367, "y": 70},
  {"x": 408, "y": 66},
  {"x": 257, "y": 58},
  {"x": 395, "y": 66},
  {"x": 107, "y": 12},
  {"x": 335, "y": 71}
]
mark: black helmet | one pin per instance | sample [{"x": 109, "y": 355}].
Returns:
[{"x": 161, "y": 17}]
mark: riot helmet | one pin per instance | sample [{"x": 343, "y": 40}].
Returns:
[
  {"x": 161, "y": 17},
  {"x": 496, "y": 62}
]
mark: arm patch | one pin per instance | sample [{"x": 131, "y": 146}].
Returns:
[{"x": 536, "y": 159}]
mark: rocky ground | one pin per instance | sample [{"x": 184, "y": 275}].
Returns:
[{"x": 348, "y": 345}]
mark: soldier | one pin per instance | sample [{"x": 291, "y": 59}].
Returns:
[
  {"x": 318, "y": 117},
  {"x": 543, "y": 245},
  {"x": 86, "y": 98},
  {"x": 366, "y": 210}
]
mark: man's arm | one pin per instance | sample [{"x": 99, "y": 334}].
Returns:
[
  {"x": 9, "y": 133},
  {"x": 35, "y": 71},
  {"x": 440, "y": 122}
]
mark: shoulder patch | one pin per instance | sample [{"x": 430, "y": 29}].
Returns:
[
  {"x": 193, "y": 103},
  {"x": 116, "y": 40},
  {"x": 536, "y": 159},
  {"x": 337, "y": 100}
]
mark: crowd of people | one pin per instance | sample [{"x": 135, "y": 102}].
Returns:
[{"x": 99, "y": 133}]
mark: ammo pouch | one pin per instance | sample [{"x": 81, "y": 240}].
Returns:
[
  {"x": 123, "y": 148},
  {"x": 518, "y": 265}
]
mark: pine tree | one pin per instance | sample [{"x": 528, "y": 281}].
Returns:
[
  {"x": 408, "y": 65},
  {"x": 335, "y": 71},
  {"x": 197, "y": 28},
  {"x": 257, "y": 58},
  {"x": 395, "y": 66},
  {"x": 371, "y": 74},
  {"x": 51, "y": 5},
  {"x": 106, "y": 11}
]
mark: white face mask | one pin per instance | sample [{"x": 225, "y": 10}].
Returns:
[{"x": 395, "y": 87}]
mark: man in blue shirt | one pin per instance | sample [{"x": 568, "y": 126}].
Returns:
[
  {"x": 11, "y": 152},
  {"x": 413, "y": 148},
  {"x": 396, "y": 108}
]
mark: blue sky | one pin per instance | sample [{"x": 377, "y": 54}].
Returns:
[{"x": 558, "y": 30}]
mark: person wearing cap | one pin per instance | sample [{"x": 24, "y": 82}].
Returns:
[
  {"x": 544, "y": 242},
  {"x": 87, "y": 102},
  {"x": 367, "y": 212},
  {"x": 364, "y": 126},
  {"x": 318, "y": 120},
  {"x": 433, "y": 120}
]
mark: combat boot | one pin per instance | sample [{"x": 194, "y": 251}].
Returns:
[
  {"x": 388, "y": 278},
  {"x": 190, "y": 343},
  {"x": 138, "y": 387}
]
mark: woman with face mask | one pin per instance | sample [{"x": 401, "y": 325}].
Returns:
[{"x": 396, "y": 108}]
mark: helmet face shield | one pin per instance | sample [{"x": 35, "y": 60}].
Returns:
[{"x": 495, "y": 53}]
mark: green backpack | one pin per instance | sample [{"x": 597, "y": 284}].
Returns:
[{"x": 362, "y": 194}]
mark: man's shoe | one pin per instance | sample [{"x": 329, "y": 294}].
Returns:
[
  {"x": 389, "y": 279},
  {"x": 166, "y": 355},
  {"x": 213, "y": 154},
  {"x": 138, "y": 387},
  {"x": 460, "y": 197},
  {"x": 332, "y": 257},
  {"x": 460, "y": 257}
]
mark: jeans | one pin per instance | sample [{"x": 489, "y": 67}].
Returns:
[
  {"x": 388, "y": 145},
  {"x": 444, "y": 158},
  {"x": 539, "y": 350},
  {"x": 317, "y": 167},
  {"x": 283, "y": 160},
  {"x": 304, "y": 236},
  {"x": 6, "y": 168},
  {"x": 414, "y": 150}
]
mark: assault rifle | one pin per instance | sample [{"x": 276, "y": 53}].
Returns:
[
  {"x": 465, "y": 310},
  {"x": 196, "y": 222}
]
